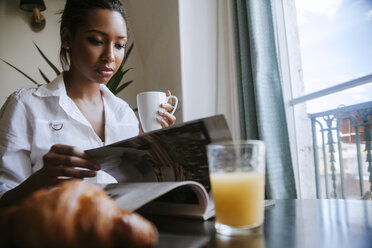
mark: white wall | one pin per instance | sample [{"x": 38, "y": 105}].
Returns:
[
  {"x": 16, "y": 45},
  {"x": 154, "y": 29},
  {"x": 176, "y": 42},
  {"x": 198, "y": 32}
]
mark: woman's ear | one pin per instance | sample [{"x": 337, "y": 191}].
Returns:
[{"x": 66, "y": 38}]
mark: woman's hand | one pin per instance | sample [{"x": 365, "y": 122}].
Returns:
[
  {"x": 166, "y": 119},
  {"x": 59, "y": 165}
]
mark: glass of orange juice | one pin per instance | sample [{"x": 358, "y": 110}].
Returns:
[{"x": 237, "y": 175}]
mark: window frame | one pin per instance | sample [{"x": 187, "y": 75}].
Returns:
[{"x": 298, "y": 123}]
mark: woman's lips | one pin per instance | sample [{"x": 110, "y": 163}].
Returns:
[{"x": 105, "y": 72}]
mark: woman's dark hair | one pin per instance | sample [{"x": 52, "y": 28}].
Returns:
[{"x": 74, "y": 13}]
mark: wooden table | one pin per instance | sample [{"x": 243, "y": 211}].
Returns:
[{"x": 290, "y": 223}]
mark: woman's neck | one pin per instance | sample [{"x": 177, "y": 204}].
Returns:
[
  {"x": 88, "y": 98},
  {"x": 79, "y": 88}
]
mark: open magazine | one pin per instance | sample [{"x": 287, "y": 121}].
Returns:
[{"x": 164, "y": 171}]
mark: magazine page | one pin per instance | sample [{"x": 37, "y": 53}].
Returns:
[
  {"x": 187, "y": 198},
  {"x": 184, "y": 202},
  {"x": 176, "y": 153}
]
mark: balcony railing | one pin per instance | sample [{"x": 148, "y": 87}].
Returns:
[{"x": 342, "y": 146}]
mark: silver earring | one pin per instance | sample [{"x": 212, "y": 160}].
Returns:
[{"x": 67, "y": 49}]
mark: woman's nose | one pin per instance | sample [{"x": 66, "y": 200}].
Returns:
[{"x": 108, "y": 54}]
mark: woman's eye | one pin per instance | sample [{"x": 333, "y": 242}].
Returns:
[
  {"x": 95, "y": 41},
  {"x": 120, "y": 46}
]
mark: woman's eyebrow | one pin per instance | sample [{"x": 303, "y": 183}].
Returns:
[{"x": 103, "y": 33}]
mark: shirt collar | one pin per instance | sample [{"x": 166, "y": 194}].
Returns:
[
  {"x": 55, "y": 88},
  {"x": 114, "y": 105}
]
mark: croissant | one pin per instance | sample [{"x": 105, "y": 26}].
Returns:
[{"x": 74, "y": 214}]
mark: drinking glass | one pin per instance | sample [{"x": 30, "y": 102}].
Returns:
[{"x": 237, "y": 175}]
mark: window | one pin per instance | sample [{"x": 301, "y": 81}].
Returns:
[
  {"x": 324, "y": 50},
  {"x": 335, "y": 43}
]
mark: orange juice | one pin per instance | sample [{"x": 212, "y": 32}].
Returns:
[{"x": 239, "y": 198}]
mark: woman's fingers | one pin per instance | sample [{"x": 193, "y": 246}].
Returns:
[
  {"x": 168, "y": 93},
  {"x": 167, "y": 119},
  {"x": 168, "y": 107},
  {"x": 170, "y": 118},
  {"x": 50, "y": 176},
  {"x": 54, "y": 159},
  {"x": 61, "y": 163},
  {"x": 162, "y": 121},
  {"x": 62, "y": 155},
  {"x": 68, "y": 150}
]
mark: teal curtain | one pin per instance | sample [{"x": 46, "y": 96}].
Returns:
[{"x": 261, "y": 100}]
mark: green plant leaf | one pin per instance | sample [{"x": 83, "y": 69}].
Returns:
[
  {"x": 24, "y": 74},
  {"x": 109, "y": 83},
  {"x": 48, "y": 61},
  {"x": 119, "y": 75},
  {"x": 124, "y": 72},
  {"x": 123, "y": 86},
  {"x": 45, "y": 77},
  {"x": 128, "y": 53},
  {"x": 113, "y": 81}
]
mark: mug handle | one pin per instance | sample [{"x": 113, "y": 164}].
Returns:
[{"x": 175, "y": 104}]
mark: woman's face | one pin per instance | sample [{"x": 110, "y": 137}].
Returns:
[{"x": 97, "y": 48}]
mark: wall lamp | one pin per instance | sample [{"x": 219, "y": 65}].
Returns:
[{"x": 35, "y": 6}]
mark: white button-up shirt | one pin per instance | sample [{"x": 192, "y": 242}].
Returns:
[{"x": 35, "y": 118}]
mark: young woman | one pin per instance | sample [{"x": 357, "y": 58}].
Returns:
[{"x": 45, "y": 130}]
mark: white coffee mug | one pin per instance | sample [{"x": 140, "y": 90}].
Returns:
[{"x": 148, "y": 104}]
